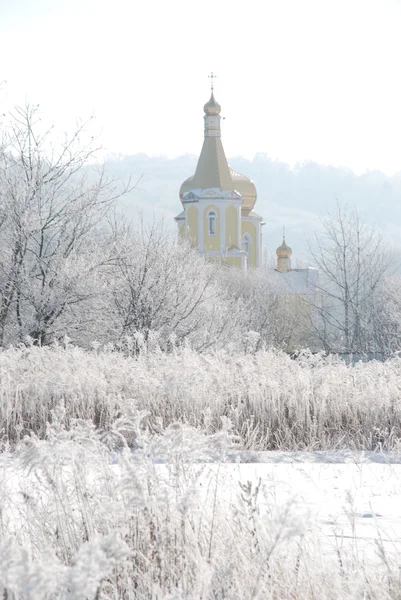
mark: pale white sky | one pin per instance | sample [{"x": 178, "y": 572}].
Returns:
[{"x": 297, "y": 79}]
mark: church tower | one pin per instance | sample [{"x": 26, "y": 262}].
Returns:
[
  {"x": 218, "y": 217},
  {"x": 284, "y": 254}
]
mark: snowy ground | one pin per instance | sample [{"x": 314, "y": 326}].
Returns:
[
  {"x": 273, "y": 525},
  {"x": 341, "y": 506},
  {"x": 347, "y": 504}
]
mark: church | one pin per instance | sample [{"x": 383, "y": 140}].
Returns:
[{"x": 218, "y": 217}]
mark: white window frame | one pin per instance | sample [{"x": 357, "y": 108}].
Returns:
[{"x": 212, "y": 215}]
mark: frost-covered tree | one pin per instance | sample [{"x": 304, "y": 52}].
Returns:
[
  {"x": 268, "y": 309},
  {"x": 352, "y": 264},
  {"x": 51, "y": 219},
  {"x": 386, "y": 323}
]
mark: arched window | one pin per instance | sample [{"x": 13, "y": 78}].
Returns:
[
  {"x": 211, "y": 220},
  {"x": 246, "y": 243}
]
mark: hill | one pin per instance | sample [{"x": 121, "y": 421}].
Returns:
[{"x": 291, "y": 197}]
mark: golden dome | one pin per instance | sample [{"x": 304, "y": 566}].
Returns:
[
  {"x": 246, "y": 188},
  {"x": 187, "y": 186},
  {"x": 284, "y": 251},
  {"x": 212, "y": 107},
  {"x": 240, "y": 183}
]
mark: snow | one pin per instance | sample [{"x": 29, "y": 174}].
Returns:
[
  {"x": 348, "y": 502},
  {"x": 69, "y": 499}
]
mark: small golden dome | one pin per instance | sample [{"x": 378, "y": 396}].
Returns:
[
  {"x": 284, "y": 251},
  {"x": 212, "y": 107}
]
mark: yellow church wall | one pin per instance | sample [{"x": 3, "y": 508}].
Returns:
[
  {"x": 182, "y": 231},
  {"x": 233, "y": 261},
  {"x": 231, "y": 227},
  {"x": 211, "y": 242},
  {"x": 192, "y": 222},
  {"x": 248, "y": 227}
]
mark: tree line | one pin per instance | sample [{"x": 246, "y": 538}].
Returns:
[{"x": 70, "y": 265}]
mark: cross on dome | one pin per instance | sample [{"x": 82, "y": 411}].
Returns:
[{"x": 212, "y": 76}]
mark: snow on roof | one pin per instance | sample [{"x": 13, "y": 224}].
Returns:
[{"x": 297, "y": 281}]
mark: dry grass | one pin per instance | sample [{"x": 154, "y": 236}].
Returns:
[
  {"x": 74, "y": 525},
  {"x": 272, "y": 402}
]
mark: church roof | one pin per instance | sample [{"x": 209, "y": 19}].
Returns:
[
  {"x": 210, "y": 193},
  {"x": 246, "y": 188},
  {"x": 212, "y": 170},
  {"x": 180, "y": 217},
  {"x": 301, "y": 282},
  {"x": 250, "y": 213},
  {"x": 284, "y": 251}
]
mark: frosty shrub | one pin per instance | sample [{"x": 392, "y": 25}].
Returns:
[
  {"x": 272, "y": 401},
  {"x": 162, "y": 289}
]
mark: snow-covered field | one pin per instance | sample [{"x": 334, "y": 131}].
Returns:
[
  {"x": 79, "y": 522},
  {"x": 142, "y": 477},
  {"x": 350, "y": 505}
]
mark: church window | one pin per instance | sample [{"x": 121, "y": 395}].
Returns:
[
  {"x": 212, "y": 222},
  {"x": 246, "y": 242}
]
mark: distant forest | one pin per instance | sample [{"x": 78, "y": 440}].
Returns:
[{"x": 291, "y": 197}]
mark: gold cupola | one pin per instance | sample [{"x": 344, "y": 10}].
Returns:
[
  {"x": 246, "y": 188},
  {"x": 284, "y": 254},
  {"x": 212, "y": 107}
]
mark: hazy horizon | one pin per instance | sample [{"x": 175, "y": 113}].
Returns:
[{"x": 292, "y": 197}]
